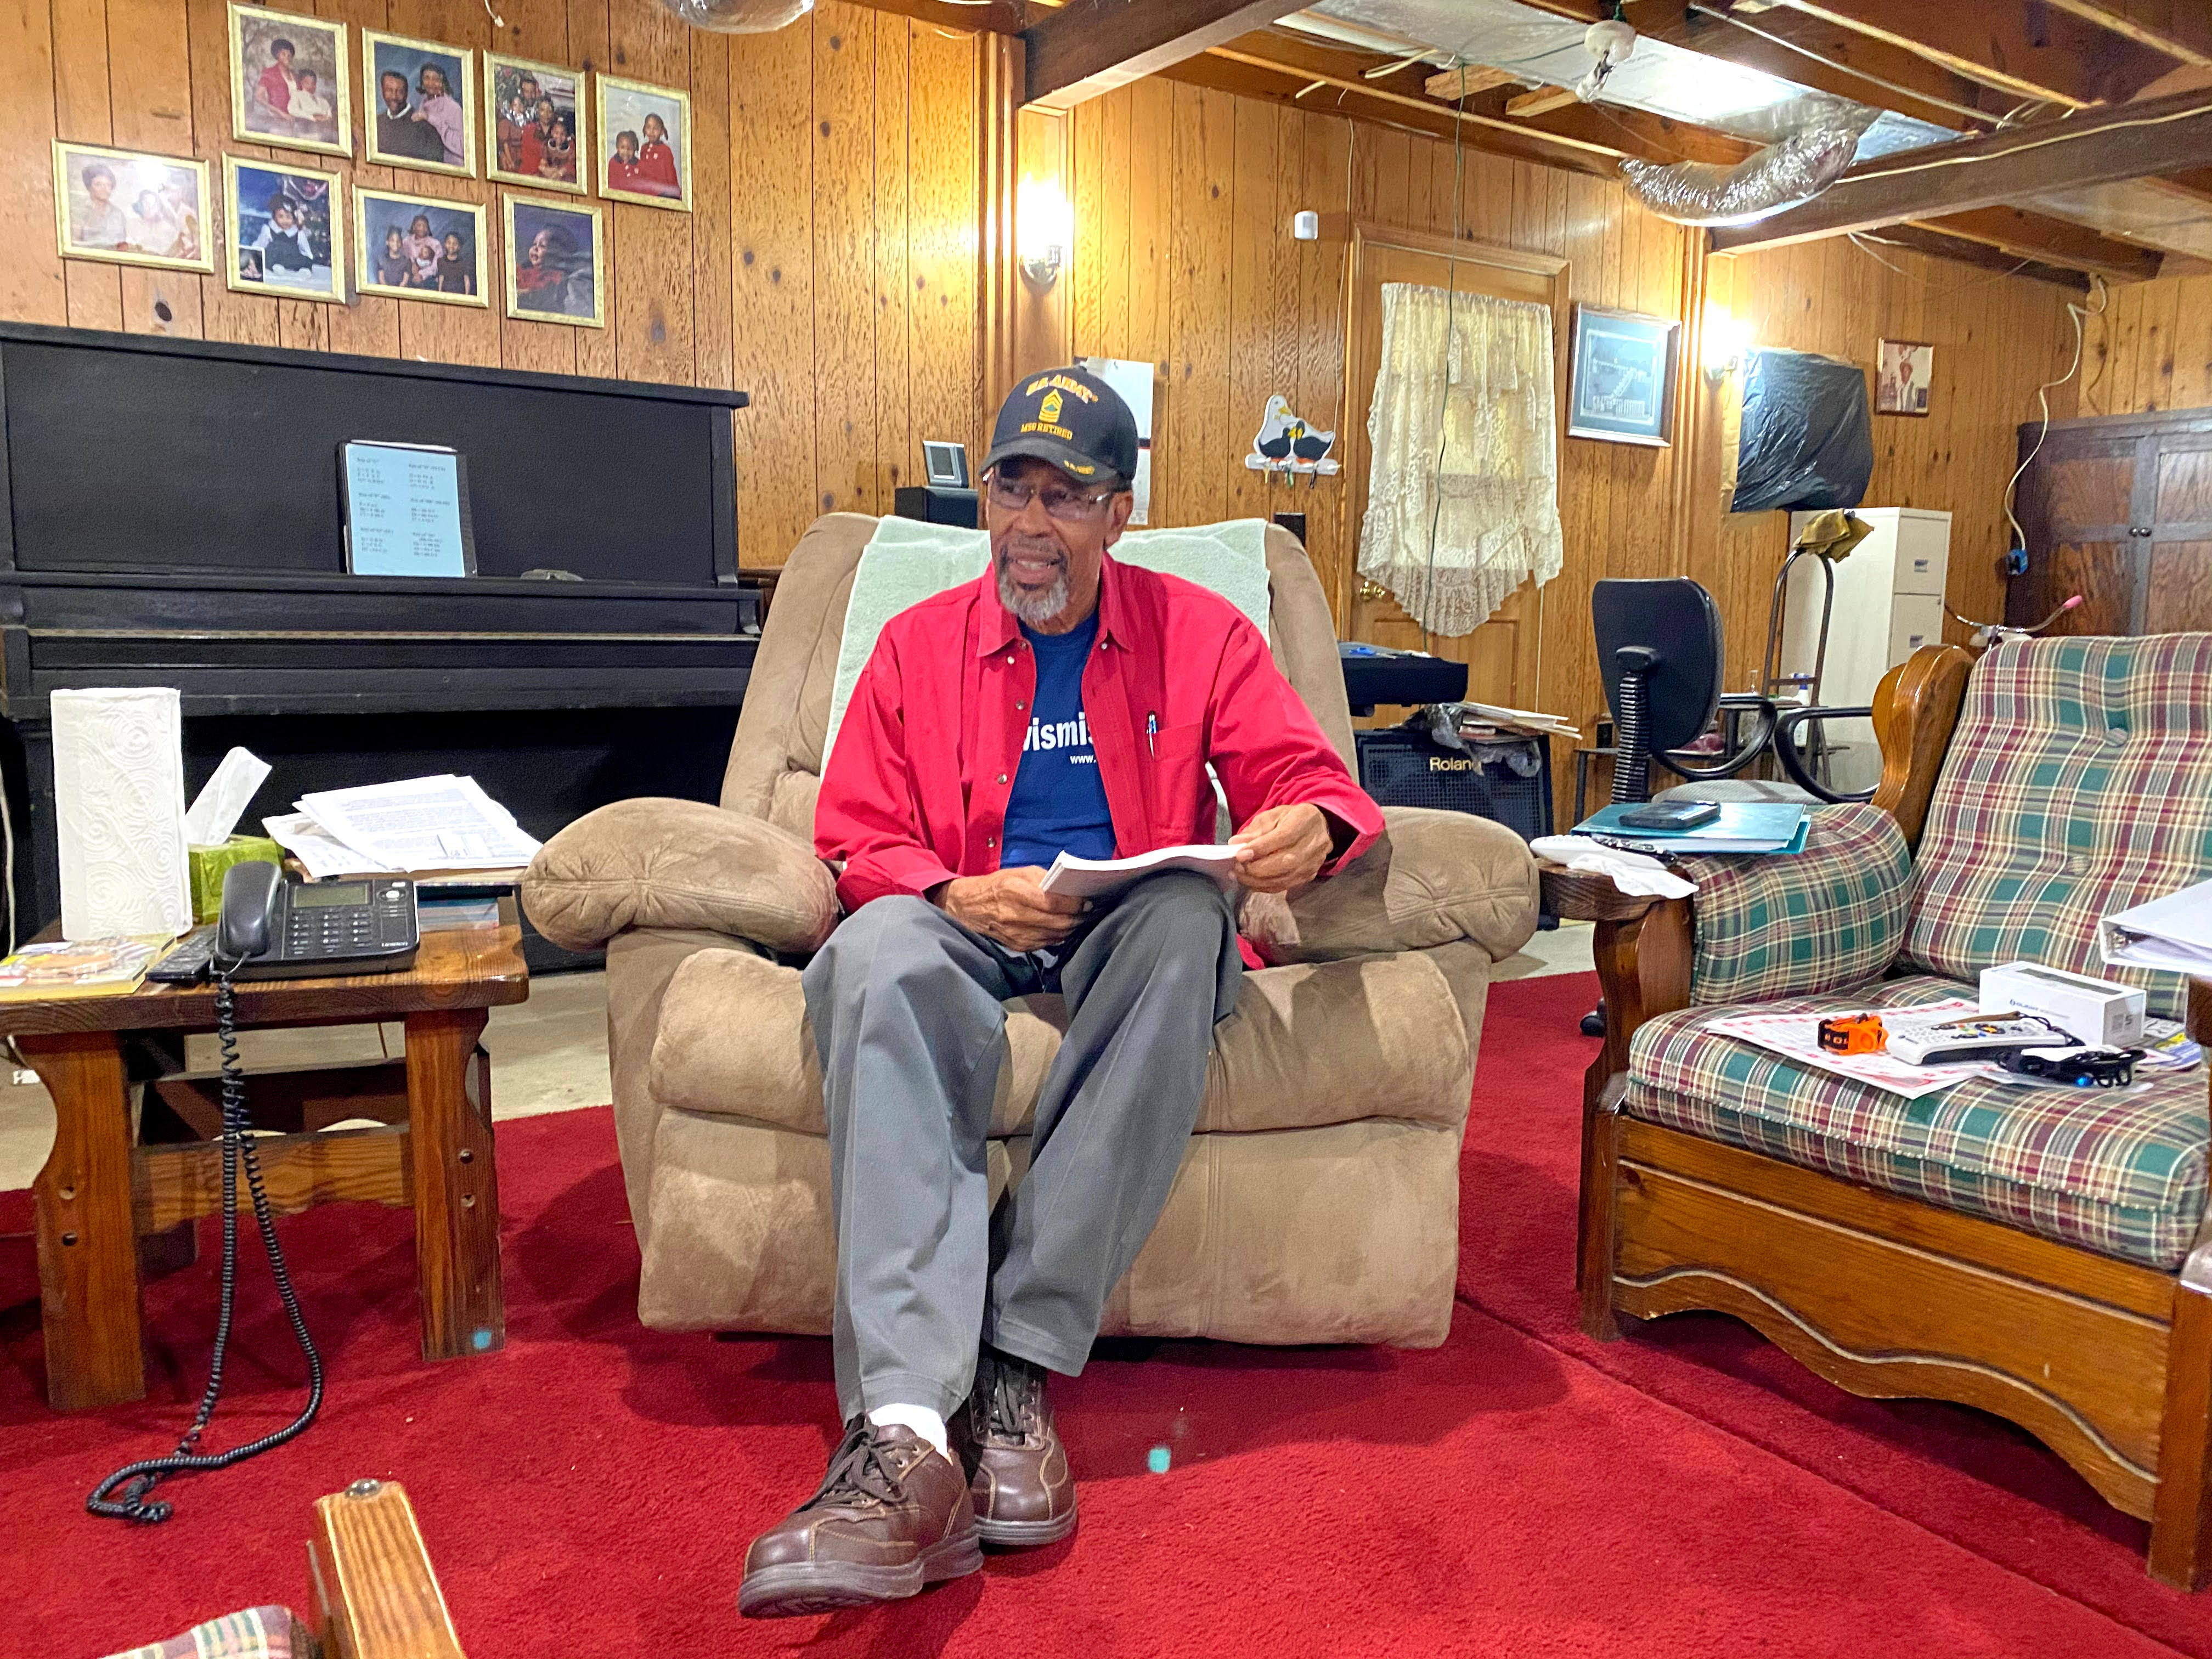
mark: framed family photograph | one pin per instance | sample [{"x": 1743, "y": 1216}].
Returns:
[
  {"x": 287, "y": 230},
  {"x": 1903, "y": 369},
  {"x": 288, "y": 85},
  {"x": 1621, "y": 385},
  {"x": 418, "y": 247},
  {"x": 418, "y": 93},
  {"x": 554, "y": 257},
  {"x": 645, "y": 143},
  {"x": 535, "y": 132},
  {"x": 133, "y": 209}
]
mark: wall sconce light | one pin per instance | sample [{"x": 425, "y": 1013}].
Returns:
[
  {"x": 1724, "y": 342},
  {"x": 1044, "y": 230}
]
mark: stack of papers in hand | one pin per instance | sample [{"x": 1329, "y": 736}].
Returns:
[
  {"x": 418, "y": 825},
  {"x": 1742, "y": 827},
  {"x": 2174, "y": 933},
  {"x": 1517, "y": 720},
  {"x": 1093, "y": 878}
]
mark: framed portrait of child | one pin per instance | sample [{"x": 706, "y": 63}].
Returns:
[
  {"x": 555, "y": 263},
  {"x": 287, "y": 230},
  {"x": 419, "y": 247},
  {"x": 417, "y": 93},
  {"x": 288, "y": 84},
  {"x": 535, "y": 131},
  {"x": 645, "y": 140},
  {"x": 129, "y": 209}
]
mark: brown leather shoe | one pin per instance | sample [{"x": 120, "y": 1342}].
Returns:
[
  {"x": 1023, "y": 1490},
  {"x": 890, "y": 1516}
]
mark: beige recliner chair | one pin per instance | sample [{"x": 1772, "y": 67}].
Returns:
[{"x": 1319, "y": 1200}]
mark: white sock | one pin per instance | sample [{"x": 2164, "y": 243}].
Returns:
[{"x": 922, "y": 1420}]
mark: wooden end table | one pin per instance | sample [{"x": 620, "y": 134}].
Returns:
[{"x": 100, "y": 1193}]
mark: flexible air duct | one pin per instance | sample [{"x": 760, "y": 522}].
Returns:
[
  {"x": 1764, "y": 183},
  {"x": 740, "y": 16}
]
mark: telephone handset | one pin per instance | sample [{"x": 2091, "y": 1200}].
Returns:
[{"x": 272, "y": 928}]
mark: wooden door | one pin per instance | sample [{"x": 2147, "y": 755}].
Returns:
[
  {"x": 2178, "y": 588},
  {"x": 2087, "y": 505},
  {"x": 1502, "y": 654}
]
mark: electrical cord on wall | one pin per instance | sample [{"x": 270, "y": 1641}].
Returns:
[
  {"x": 136, "y": 1501},
  {"x": 2081, "y": 314}
]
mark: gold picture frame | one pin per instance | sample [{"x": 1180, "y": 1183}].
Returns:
[
  {"x": 242, "y": 243},
  {"x": 249, "y": 121},
  {"x": 410, "y": 59},
  {"x": 527, "y": 219},
  {"x": 546, "y": 76},
  {"x": 115, "y": 225},
  {"x": 620, "y": 181},
  {"x": 375, "y": 212}
]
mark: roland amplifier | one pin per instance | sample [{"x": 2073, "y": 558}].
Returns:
[{"x": 1400, "y": 768}]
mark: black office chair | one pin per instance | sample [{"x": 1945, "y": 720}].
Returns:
[{"x": 1661, "y": 653}]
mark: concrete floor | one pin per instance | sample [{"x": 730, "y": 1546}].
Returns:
[{"x": 549, "y": 1054}]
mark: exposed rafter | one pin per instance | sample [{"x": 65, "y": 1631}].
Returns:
[
  {"x": 2054, "y": 241},
  {"x": 1958, "y": 249},
  {"x": 2066, "y": 60},
  {"x": 1091, "y": 46},
  {"x": 2182, "y": 29},
  {"x": 2094, "y": 146}
]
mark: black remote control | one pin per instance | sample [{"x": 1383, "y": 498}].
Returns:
[{"x": 187, "y": 965}]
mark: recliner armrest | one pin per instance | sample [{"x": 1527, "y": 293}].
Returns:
[
  {"x": 655, "y": 862},
  {"x": 1432, "y": 878}
]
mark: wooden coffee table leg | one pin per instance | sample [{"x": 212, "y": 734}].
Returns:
[
  {"x": 456, "y": 1185},
  {"x": 88, "y": 1247}
]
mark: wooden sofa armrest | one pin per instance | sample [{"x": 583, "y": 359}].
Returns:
[{"x": 1916, "y": 708}]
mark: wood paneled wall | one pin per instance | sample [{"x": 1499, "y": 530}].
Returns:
[
  {"x": 2147, "y": 347},
  {"x": 1183, "y": 199},
  {"x": 829, "y": 269}
]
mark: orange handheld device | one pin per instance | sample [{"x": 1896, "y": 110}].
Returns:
[{"x": 1853, "y": 1033}]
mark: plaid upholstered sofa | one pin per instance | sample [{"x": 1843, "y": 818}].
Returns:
[{"x": 2037, "y": 1252}]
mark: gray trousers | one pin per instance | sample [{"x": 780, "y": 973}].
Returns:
[{"x": 905, "y": 1004}]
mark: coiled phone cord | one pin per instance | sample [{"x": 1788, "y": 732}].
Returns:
[{"x": 138, "y": 1479}]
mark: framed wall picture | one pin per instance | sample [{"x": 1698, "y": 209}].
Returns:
[
  {"x": 645, "y": 143},
  {"x": 287, "y": 230},
  {"x": 1903, "y": 369},
  {"x": 535, "y": 131},
  {"x": 1620, "y": 386},
  {"x": 416, "y": 94},
  {"x": 129, "y": 209},
  {"x": 555, "y": 263},
  {"x": 288, "y": 84},
  {"x": 418, "y": 247}
]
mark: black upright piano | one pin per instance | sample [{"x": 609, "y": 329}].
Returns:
[{"x": 170, "y": 516}]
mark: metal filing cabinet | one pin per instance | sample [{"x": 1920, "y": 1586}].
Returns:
[{"x": 1889, "y": 603}]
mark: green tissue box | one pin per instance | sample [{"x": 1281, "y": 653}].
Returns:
[{"x": 207, "y": 864}]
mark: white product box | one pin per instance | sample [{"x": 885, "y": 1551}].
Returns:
[{"x": 2092, "y": 1010}]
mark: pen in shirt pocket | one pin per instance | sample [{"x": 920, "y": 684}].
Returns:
[{"x": 1151, "y": 735}]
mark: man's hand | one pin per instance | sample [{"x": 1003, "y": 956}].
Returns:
[
  {"x": 1011, "y": 907},
  {"x": 1283, "y": 847}
]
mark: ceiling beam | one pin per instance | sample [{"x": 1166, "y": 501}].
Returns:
[
  {"x": 2054, "y": 241},
  {"x": 1796, "y": 47},
  {"x": 1956, "y": 248},
  {"x": 1091, "y": 46},
  {"x": 1452, "y": 84},
  {"x": 1542, "y": 101},
  {"x": 2182, "y": 29},
  {"x": 2095, "y": 147},
  {"x": 2054, "y": 58}
]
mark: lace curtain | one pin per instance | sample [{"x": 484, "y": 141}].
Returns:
[{"x": 1483, "y": 397}]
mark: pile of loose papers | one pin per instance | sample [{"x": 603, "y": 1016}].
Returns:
[{"x": 442, "y": 823}]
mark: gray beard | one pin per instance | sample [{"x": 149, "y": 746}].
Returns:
[{"x": 1033, "y": 608}]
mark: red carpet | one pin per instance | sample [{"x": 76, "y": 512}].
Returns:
[{"x": 1518, "y": 1492}]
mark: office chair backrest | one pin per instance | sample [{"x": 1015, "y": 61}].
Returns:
[{"x": 1676, "y": 618}]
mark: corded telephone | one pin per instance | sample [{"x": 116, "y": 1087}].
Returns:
[
  {"x": 268, "y": 928},
  {"x": 272, "y": 929}
]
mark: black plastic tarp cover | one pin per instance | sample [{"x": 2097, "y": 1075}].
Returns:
[{"x": 1807, "y": 437}]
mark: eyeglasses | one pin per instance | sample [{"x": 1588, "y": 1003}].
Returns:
[{"x": 1068, "y": 506}]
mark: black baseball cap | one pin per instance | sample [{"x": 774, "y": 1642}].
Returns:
[{"x": 1071, "y": 418}]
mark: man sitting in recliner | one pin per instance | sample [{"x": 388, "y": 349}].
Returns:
[{"x": 1061, "y": 701}]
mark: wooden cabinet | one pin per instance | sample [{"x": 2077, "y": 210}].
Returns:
[{"x": 2118, "y": 509}]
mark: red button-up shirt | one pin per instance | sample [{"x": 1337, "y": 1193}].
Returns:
[{"x": 915, "y": 793}]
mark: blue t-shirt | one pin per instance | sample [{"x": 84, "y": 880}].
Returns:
[{"x": 1059, "y": 800}]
